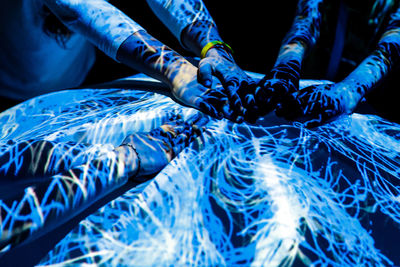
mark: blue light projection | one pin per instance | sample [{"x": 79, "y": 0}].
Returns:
[{"x": 271, "y": 194}]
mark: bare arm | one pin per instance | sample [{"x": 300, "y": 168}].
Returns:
[
  {"x": 323, "y": 103},
  {"x": 31, "y": 204},
  {"x": 36, "y": 205},
  {"x": 284, "y": 77},
  {"x": 193, "y": 26}
]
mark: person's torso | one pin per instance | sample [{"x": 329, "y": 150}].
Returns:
[{"x": 31, "y": 61}]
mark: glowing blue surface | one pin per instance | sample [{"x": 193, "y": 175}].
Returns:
[{"x": 241, "y": 195}]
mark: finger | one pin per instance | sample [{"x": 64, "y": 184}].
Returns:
[
  {"x": 239, "y": 119},
  {"x": 251, "y": 112},
  {"x": 282, "y": 89},
  {"x": 194, "y": 119},
  {"x": 197, "y": 130},
  {"x": 247, "y": 87},
  {"x": 171, "y": 131},
  {"x": 322, "y": 117},
  {"x": 235, "y": 101},
  {"x": 265, "y": 99},
  {"x": 205, "y": 72},
  {"x": 174, "y": 117},
  {"x": 217, "y": 99},
  {"x": 249, "y": 100},
  {"x": 231, "y": 85},
  {"x": 231, "y": 114},
  {"x": 227, "y": 112},
  {"x": 184, "y": 138},
  {"x": 230, "y": 88}
]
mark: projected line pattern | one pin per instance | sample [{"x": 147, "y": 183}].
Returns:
[{"x": 273, "y": 194}]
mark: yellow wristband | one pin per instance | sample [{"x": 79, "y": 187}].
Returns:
[{"x": 211, "y": 45}]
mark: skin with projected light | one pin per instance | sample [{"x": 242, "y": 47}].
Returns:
[
  {"x": 124, "y": 40},
  {"x": 63, "y": 178},
  {"x": 319, "y": 104}
]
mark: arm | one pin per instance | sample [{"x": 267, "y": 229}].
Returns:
[
  {"x": 192, "y": 24},
  {"x": 323, "y": 103},
  {"x": 45, "y": 203},
  {"x": 284, "y": 77},
  {"x": 35, "y": 206},
  {"x": 99, "y": 21},
  {"x": 122, "y": 39}
]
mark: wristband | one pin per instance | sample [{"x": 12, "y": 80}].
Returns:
[{"x": 211, "y": 45}]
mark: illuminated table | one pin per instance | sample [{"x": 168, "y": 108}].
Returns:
[{"x": 269, "y": 194}]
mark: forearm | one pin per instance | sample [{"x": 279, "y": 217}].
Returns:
[
  {"x": 367, "y": 75},
  {"x": 303, "y": 33},
  {"x": 198, "y": 34},
  {"x": 188, "y": 20},
  {"x": 370, "y": 72},
  {"x": 34, "y": 158},
  {"x": 143, "y": 52},
  {"x": 102, "y": 23},
  {"x": 38, "y": 157},
  {"x": 52, "y": 201}
]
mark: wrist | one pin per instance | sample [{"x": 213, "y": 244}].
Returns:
[
  {"x": 129, "y": 158},
  {"x": 352, "y": 93},
  {"x": 353, "y": 86},
  {"x": 198, "y": 34},
  {"x": 216, "y": 48}
]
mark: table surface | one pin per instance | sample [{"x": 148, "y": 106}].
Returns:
[{"x": 264, "y": 194}]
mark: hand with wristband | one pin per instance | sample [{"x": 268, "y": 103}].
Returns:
[
  {"x": 217, "y": 60},
  {"x": 144, "y": 52}
]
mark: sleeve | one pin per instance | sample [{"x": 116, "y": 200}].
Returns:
[
  {"x": 177, "y": 14},
  {"x": 102, "y": 23}
]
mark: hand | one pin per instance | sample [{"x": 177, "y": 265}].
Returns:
[
  {"x": 142, "y": 52},
  {"x": 237, "y": 84},
  {"x": 187, "y": 90},
  {"x": 318, "y": 104},
  {"x": 277, "y": 87},
  {"x": 157, "y": 148}
]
